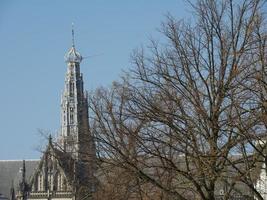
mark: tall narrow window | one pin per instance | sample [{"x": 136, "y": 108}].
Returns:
[
  {"x": 50, "y": 180},
  {"x": 71, "y": 118},
  {"x": 71, "y": 115},
  {"x": 59, "y": 182},
  {"x": 71, "y": 89},
  {"x": 40, "y": 182}
]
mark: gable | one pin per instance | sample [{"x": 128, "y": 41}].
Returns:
[{"x": 54, "y": 172}]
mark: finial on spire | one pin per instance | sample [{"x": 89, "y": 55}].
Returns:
[
  {"x": 72, "y": 55},
  {"x": 72, "y": 31}
]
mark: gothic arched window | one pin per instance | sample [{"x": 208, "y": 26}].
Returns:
[
  {"x": 50, "y": 180},
  {"x": 71, "y": 89},
  {"x": 71, "y": 115},
  {"x": 40, "y": 182}
]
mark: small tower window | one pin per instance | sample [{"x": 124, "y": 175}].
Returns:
[
  {"x": 71, "y": 115},
  {"x": 71, "y": 89},
  {"x": 71, "y": 118},
  {"x": 64, "y": 117}
]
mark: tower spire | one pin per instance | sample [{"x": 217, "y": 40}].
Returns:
[
  {"x": 72, "y": 55},
  {"x": 72, "y": 31}
]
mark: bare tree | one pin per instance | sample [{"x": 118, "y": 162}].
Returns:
[{"x": 190, "y": 118}]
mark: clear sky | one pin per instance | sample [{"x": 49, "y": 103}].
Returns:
[{"x": 35, "y": 35}]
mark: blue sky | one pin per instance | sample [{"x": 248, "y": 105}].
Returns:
[{"x": 34, "y": 37}]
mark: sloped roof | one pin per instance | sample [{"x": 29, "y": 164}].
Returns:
[{"x": 9, "y": 170}]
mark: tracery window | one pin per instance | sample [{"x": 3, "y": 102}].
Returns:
[
  {"x": 60, "y": 182},
  {"x": 50, "y": 181},
  {"x": 40, "y": 182}
]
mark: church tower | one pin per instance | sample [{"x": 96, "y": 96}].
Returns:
[
  {"x": 66, "y": 169},
  {"x": 74, "y": 136}
]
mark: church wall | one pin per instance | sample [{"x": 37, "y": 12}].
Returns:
[{"x": 52, "y": 199}]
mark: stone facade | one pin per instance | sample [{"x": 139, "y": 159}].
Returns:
[{"x": 261, "y": 183}]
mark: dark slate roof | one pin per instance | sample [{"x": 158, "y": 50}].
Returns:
[{"x": 9, "y": 171}]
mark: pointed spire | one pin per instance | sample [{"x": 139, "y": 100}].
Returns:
[
  {"x": 72, "y": 31},
  {"x": 72, "y": 55},
  {"x": 23, "y": 170},
  {"x": 22, "y": 185},
  {"x": 50, "y": 139}
]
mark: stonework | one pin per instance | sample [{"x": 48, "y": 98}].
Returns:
[
  {"x": 261, "y": 183},
  {"x": 66, "y": 169}
]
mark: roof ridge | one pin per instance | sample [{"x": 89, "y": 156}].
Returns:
[{"x": 19, "y": 160}]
